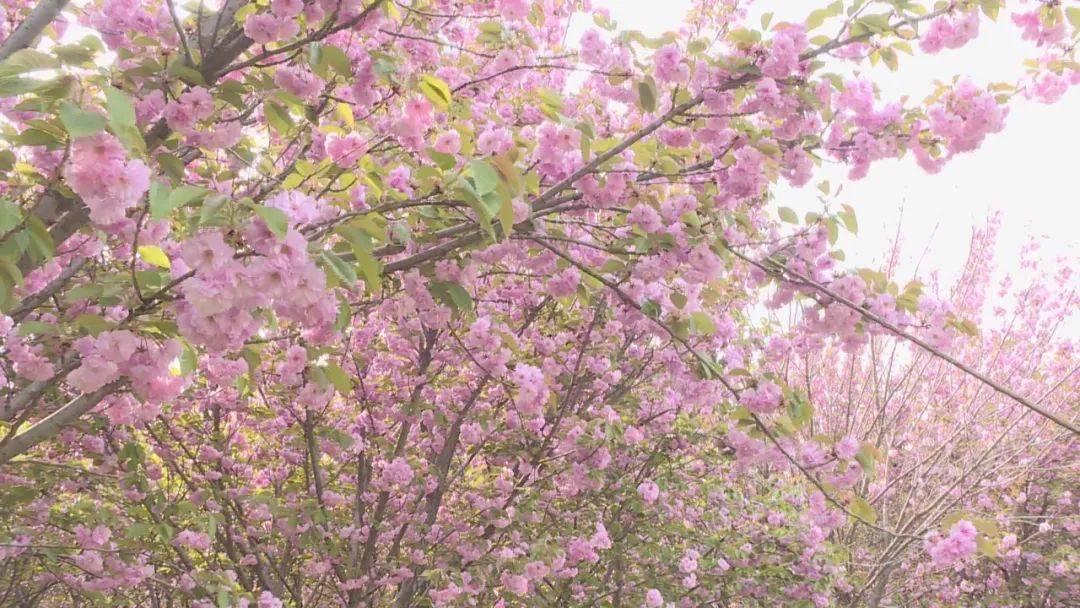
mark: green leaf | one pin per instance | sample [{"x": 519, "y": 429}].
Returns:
[
  {"x": 875, "y": 23},
  {"x": 950, "y": 519},
  {"x": 152, "y": 254},
  {"x": 987, "y": 526},
  {"x": 848, "y": 217},
  {"x": 27, "y": 328},
  {"x": 1073, "y": 15},
  {"x": 27, "y": 60},
  {"x": 371, "y": 268},
  {"x": 79, "y": 122},
  {"x": 173, "y": 166},
  {"x": 703, "y": 323},
  {"x": 208, "y": 215},
  {"x": 484, "y": 175},
  {"x": 159, "y": 200},
  {"x": 185, "y": 195},
  {"x": 122, "y": 120},
  {"x": 277, "y": 117},
  {"x": 646, "y": 90},
  {"x": 189, "y": 360},
  {"x": 800, "y": 411},
  {"x": 343, "y": 271},
  {"x": 93, "y": 324},
  {"x": 75, "y": 54},
  {"x": 990, "y": 8},
  {"x": 7, "y": 160},
  {"x": 41, "y": 240},
  {"x": 10, "y": 269},
  {"x": 120, "y": 109},
  {"x": 862, "y": 509},
  {"x": 336, "y": 59},
  {"x": 188, "y": 75},
  {"x": 358, "y": 233},
  {"x": 453, "y": 295},
  {"x": 14, "y": 495},
  {"x": 987, "y": 546},
  {"x": 444, "y": 161},
  {"x": 10, "y": 216},
  {"x": 506, "y": 216},
  {"x": 337, "y": 376},
  {"x": 479, "y": 205},
  {"x": 436, "y": 90},
  {"x": 11, "y": 86},
  {"x": 788, "y": 215},
  {"x": 138, "y": 530},
  {"x": 275, "y": 219},
  {"x": 865, "y": 457}
]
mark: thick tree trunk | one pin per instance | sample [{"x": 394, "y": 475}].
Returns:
[
  {"x": 28, "y": 31},
  {"x": 52, "y": 424},
  {"x": 874, "y": 601}
]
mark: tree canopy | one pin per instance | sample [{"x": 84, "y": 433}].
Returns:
[{"x": 421, "y": 303}]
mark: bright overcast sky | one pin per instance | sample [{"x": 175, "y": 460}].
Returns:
[{"x": 1030, "y": 171}]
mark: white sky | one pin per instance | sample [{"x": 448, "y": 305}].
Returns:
[{"x": 1030, "y": 171}]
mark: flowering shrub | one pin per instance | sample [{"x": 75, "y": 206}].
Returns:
[{"x": 411, "y": 303}]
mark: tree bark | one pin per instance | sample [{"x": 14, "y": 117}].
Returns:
[
  {"x": 53, "y": 423},
  {"x": 43, "y": 14}
]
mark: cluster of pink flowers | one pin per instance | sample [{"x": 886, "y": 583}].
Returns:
[
  {"x": 302, "y": 83},
  {"x": 29, "y": 360},
  {"x": 1050, "y": 80},
  {"x": 646, "y": 217},
  {"x": 669, "y": 66},
  {"x": 414, "y": 121},
  {"x": 398, "y": 472},
  {"x": 704, "y": 265},
  {"x": 533, "y": 392},
  {"x": 346, "y": 150},
  {"x": 300, "y": 208},
  {"x": 190, "y": 539},
  {"x": 438, "y": 424},
  {"x": 494, "y": 141},
  {"x": 564, "y": 283},
  {"x": 957, "y": 545},
  {"x": 112, "y": 354},
  {"x": 514, "y": 10},
  {"x": 116, "y": 18},
  {"x": 514, "y": 583},
  {"x": 100, "y": 560},
  {"x": 220, "y": 299},
  {"x": 557, "y": 149},
  {"x": 950, "y": 32},
  {"x": 966, "y": 116},
  {"x": 649, "y": 491},
  {"x": 279, "y": 24},
  {"x": 485, "y": 341},
  {"x": 594, "y": 50},
  {"x": 1042, "y": 32},
  {"x": 193, "y": 106},
  {"x": 107, "y": 181},
  {"x": 190, "y": 116},
  {"x": 746, "y": 178},
  {"x": 783, "y": 57},
  {"x": 763, "y": 398}
]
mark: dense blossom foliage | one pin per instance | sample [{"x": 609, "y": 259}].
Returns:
[{"x": 420, "y": 303}]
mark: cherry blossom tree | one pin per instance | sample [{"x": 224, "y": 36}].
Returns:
[{"x": 419, "y": 303}]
